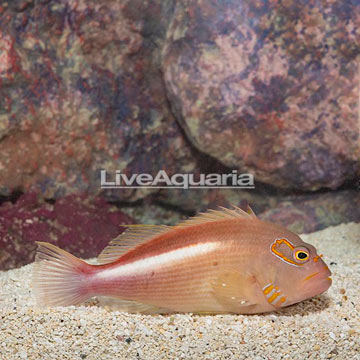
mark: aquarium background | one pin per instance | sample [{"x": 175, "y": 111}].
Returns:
[{"x": 270, "y": 88}]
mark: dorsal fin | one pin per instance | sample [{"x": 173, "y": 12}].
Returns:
[
  {"x": 129, "y": 239},
  {"x": 250, "y": 211},
  {"x": 216, "y": 215},
  {"x": 139, "y": 234}
]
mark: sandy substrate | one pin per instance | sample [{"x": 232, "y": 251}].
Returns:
[{"x": 325, "y": 327}]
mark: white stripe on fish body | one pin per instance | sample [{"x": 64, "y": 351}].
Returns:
[{"x": 142, "y": 266}]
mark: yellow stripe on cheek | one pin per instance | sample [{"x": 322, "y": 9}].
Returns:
[{"x": 310, "y": 276}]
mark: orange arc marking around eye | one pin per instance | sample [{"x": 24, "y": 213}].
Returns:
[{"x": 279, "y": 254}]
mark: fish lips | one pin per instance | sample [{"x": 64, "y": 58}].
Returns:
[{"x": 318, "y": 282}]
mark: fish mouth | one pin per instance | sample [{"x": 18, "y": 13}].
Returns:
[
  {"x": 324, "y": 273},
  {"x": 319, "y": 282}
]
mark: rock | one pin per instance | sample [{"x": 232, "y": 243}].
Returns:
[
  {"x": 269, "y": 87},
  {"x": 195, "y": 200},
  {"x": 309, "y": 213},
  {"x": 155, "y": 214},
  {"x": 302, "y": 213},
  {"x": 79, "y": 224},
  {"x": 82, "y": 90},
  {"x": 266, "y": 87}
]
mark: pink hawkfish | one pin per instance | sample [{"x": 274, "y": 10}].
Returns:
[{"x": 221, "y": 261}]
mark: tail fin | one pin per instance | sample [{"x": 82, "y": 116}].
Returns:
[{"x": 59, "y": 278}]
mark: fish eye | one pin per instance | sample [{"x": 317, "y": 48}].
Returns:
[{"x": 301, "y": 255}]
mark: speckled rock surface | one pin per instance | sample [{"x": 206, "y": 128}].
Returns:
[
  {"x": 80, "y": 224},
  {"x": 263, "y": 86},
  {"x": 195, "y": 200},
  {"x": 268, "y": 86},
  {"x": 309, "y": 213},
  {"x": 81, "y": 90},
  {"x": 324, "y": 327},
  {"x": 301, "y": 213}
]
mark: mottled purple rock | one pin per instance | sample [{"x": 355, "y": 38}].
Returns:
[
  {"x": 79, "y": 224},
  {"x": 195, "y": 200},
  {"x": 81, "y": 89},
  {"x": 308, "y": 213},
  {"x": 302, "y": 213},
  {"x": 270, "y": 87}
]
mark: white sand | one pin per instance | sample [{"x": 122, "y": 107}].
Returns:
[{"x": 325, "y": 327}]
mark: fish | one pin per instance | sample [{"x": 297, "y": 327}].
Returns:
[{"x": 221, "y": 261}]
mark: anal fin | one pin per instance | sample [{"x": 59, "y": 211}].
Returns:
[{"x": 130, "y": 306}]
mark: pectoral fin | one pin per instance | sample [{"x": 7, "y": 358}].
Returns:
[{"x": 235, "y": 291}]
